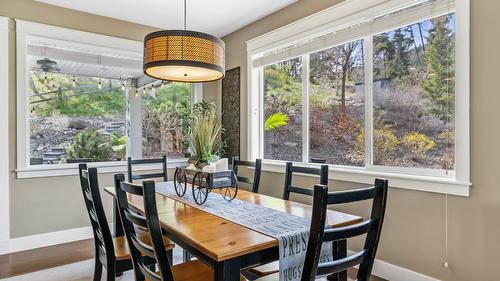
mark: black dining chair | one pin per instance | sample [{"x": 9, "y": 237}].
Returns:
[
  {"x": 192, "y": 271},
  {"x": 372, "y": 227},
  {"x": 290, "y": 171},
  {"x": 134, "y": 162},
  {"x": 112, "y": 253},
  {"x": 257, "y": 165}
]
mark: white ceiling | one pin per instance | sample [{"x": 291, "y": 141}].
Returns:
[{"x": 217, "y": 17}]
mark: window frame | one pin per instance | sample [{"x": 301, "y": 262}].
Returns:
[
  {"x": 4, "y": 130},
  {"x": 350, "y": 13},
  {"x": 24, "y": 30}
]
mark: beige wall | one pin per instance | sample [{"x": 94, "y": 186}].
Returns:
[
  {"x": 52, "y": 204},
  {"x": 414, "y": 235}
]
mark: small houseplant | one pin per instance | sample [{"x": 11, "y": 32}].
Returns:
[{"x": 204, "y": 135}]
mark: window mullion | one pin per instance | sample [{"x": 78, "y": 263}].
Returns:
[
  {"x": 368, "y": 73},
  {"x": 134, "y": 121},
  {"x": 305, "y": 108}
]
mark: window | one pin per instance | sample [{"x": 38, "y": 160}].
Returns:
[
  {"x": 83, "y": 97},
  {"x": 74, "y": 118},
  {"x": 413, "y": 95},
  {"x": 336, "y": 105},
  {"x": 383, "y": 96},
  {"x": 165, "y": 115},
  {"x": 283, "y": 110}
]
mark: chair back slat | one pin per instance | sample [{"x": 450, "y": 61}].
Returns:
[
  {"x": 135, "y": 219},
  {"x": 131, "y": 188},
  {"x": 131, "y": 220},
  {"x": 102, "y": 234},
  {"x": 290, "y": 170},
  {"x": 339, "y": 233},
  {"x": 134, "y": 162},
  {"x": 243, "y": 179},
  {"x": 349, "y": 196},
  {"x": 300, "y": 190},
  {"x": 372, "y": 227},
  {"x": 147, "y": 176},
  {"x": 306, "y": 170},
  {"x": 143, "y": 248},
  {"x": 255, "y": 181},
  {"x": 341, "y": 264}
]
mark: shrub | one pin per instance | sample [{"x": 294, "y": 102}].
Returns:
[
  {"x": 418, "y": 144},
  {"x": 89, "y": 144},
  {"x": 345, "y": 126},
  {"x": 384, "y": 144},
  {"x": 319, "y": 128},
  {"x": 406, "y": 110}
]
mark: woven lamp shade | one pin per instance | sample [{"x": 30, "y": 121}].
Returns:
[{"x": 183, "y": 56}]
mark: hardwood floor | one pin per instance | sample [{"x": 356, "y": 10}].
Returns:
[
  {"x": 53, "y": 256},
  {"x": 42, "y": 258}
]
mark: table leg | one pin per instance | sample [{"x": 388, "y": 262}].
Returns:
[
  {"x": 228, "y": 270},
  {"x": 339, "y": 252},
  {"x": 117, "y": 221}
]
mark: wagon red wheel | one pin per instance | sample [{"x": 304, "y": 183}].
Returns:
[
  {"x": 200, "y": 190},
  {"x": 180, "y": 182}
]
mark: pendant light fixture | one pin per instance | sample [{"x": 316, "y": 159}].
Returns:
[{"x": 183, "y": 55}]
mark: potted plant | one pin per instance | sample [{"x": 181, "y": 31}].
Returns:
[{"x": 204, "y": 136}]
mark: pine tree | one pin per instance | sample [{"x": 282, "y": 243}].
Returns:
[
  {"x": 401, "y": 62},
  {"x": 440, "y": 86}
]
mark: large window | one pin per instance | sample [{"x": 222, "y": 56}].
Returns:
[
  {"x": 386, "y": 95},
  {"x": 83, "y": 97},
  {"x": 74, "y": 118}
]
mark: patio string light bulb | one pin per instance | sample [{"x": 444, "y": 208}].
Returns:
[{"x": 183, "y": 55}]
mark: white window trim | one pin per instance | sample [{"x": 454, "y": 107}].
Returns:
[
  {"x": 337, "y": 18},
  {"x": 4, "y": 132},
  {"x": 117, "y": 46}
]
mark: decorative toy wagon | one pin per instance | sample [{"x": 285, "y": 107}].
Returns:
[{"x": 204, "y": 182}]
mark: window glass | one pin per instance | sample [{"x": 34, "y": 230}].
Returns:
[
  {"x": 165, "y": 115},
  {"x": 414, "y": 95},
  {"x": 336, "y": 105},
  {"x": 74, "y": 118},
  {"x": 283, "y": 110}
]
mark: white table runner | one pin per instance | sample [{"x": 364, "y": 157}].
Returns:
[{"x": 291, "y": 231}]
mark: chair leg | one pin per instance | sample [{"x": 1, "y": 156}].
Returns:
[
  {"x": 111, "y": 271},
  {"x": 97, "y": 270},
  {"x": 186, "y": 256},
  {"x": 110, "y": 274},
  {"x": 170, "y": 257}
]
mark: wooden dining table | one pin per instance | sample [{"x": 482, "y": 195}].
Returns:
[{"x": 227, "y": 246}]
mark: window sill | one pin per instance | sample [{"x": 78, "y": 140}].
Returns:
[
  {"x": 427, "y": 183},
  {"x": 59, "y": 170}
]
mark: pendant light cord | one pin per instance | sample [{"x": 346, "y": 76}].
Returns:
[{"x": 185, "y": 14}]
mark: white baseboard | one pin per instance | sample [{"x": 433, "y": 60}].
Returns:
[
  {"x": 393, "y": 272},
  {"x": 4, "y": 247},
  {"x": 46, "y": 239}
]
